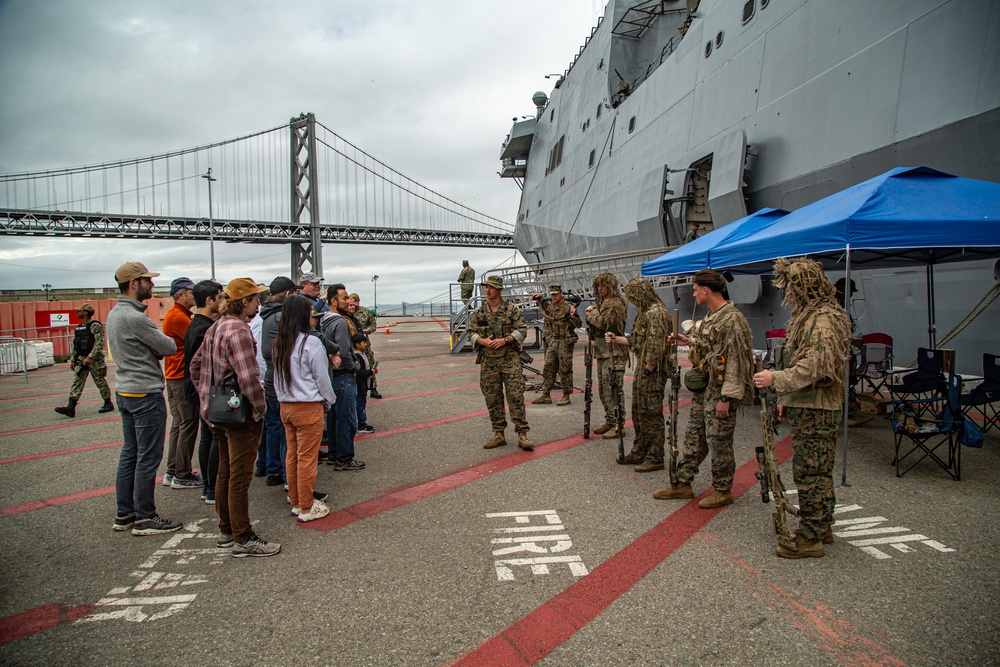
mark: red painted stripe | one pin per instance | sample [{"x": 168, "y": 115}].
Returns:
[
  {"x": 35, "y": 620},
  {"x": 55, "y": 501},
  {"x": 533, "y": 637},
  {"x": 46, "y": 407},
  {"x": 61, "y": 452},
  {"x": 386, "y": 399},
  {"x": 71, "y": 424}
]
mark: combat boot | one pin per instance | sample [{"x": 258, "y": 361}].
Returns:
[
  {"x": 564, "y": 400},
  {"x": 648, "y": 466},
  {"x": 682, "y": 491},
  {"x": 524, "y": 442},
  {"x": 604, "y": 428},
  {"x": 629, "y": 460},
  {"x": 828, "y": 536},
  {"x": 107, "y": 407},
  {"x": 69, "y": 410},
  {"x": 716, "y": 499},
  {"x": 544, "y": 399},
  {"x": 612, "y": 434},
  {"x": 803, "y": 549},
  {"x": 498, "y": 440}
]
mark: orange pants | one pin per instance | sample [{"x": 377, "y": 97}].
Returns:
[{"x": 304, "y": 432}]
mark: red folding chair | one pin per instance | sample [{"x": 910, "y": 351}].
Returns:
[
  {"x": 876, "y": 360},
  {"x": 775, "y": 341}
]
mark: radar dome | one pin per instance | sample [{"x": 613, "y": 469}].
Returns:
[{"x": 540, "y": 99}]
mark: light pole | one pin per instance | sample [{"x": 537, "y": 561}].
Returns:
[
  {"x": 46, "y": 287},
  {"x": 375, "y": 287},
  {"x": 211, "y": 221}
]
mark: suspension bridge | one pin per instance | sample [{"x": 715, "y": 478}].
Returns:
[{"x": 298, "y": 184}]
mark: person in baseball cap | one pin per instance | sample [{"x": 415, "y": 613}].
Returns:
[
  {"x": 241, "y": 288},
  {"x": 130, "y": 271},
  {"x": 85, "y": 308},
  {"x": 310, "y": 283},
  {"x": 179, "y": 284},
  {"x": 493, "y": 281},
  {"x": 281, "y": 284}
]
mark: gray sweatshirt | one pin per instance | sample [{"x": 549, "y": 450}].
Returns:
[
  {"x": 333, "y": 329},
  {"x": 310, "y": 376},
  {"x": 137, "y": 347}
]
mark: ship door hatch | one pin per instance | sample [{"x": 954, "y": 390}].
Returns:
[{"x": 688, "y": 207}]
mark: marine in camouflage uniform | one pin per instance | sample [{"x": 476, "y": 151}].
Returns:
[
  {"x": 561, "y": 322},
  {"x": 467, "y": 279},
  {"x": 811, "y": 394},
  {"x": 497, "y": 330},
  {"x": 608, "y": 314},
  {"x": 368, "y": 322},
  {"x": 721, "y": 347},
  {"x": 87, "y": 357},
  {"x": 649, "y": 343}
]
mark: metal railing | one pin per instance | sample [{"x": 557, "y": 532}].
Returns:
[
  {"x": 13, "y": 356},
  {"x": 60, "y": 337}
]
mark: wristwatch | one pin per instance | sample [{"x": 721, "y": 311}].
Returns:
[{"x": 724, "y": 399}]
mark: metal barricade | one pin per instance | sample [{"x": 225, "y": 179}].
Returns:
[{"x": 13, "y": 356}]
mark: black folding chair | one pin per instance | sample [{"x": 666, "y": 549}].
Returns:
[
  {"x": 926, "y": 379},
  {"x": 981, "y": 400},
  {"x": 923, "y": 438}
]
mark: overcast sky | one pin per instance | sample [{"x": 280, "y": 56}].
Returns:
[{"x": 428, "y": 87}]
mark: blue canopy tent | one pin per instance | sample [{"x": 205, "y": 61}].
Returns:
[{"x": 909, "y": 215}]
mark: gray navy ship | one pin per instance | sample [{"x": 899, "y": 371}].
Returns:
[{"x": 675, "y": 114}]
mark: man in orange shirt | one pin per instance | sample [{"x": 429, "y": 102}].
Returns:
[{"x": 183, "y": 417}]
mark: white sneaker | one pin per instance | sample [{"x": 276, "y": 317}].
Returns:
[
  {"x": 318, "y": 511},
  {"x": 296, "y": 511}
]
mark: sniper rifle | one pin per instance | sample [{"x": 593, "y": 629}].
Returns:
[
  {"x": 768, "y": 474},
  {"x": 675, "y": 388},
  {"x": 588, "y": 387}
]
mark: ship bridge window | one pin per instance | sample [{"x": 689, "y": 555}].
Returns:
[
  {"x": 556, "y": 155},
  {"x": 631, "y": 124},
  {"x": 748, "y": 9}
]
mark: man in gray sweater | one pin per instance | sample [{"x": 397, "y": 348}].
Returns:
[{"x": 137, "y": 346}]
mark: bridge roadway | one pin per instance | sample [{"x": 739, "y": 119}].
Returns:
[
  {"x": 404, "y": 571},
  {"x": 21, "y": 222}
]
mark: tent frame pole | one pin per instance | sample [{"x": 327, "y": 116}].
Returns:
[{"x": 847, "y": 364}]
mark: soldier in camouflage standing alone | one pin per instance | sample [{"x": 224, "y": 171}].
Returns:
[
  {"x": 608, "y": 315},
  {"x": 648, "y": 342},
  {"x": 497, "y": 329},
  {"x": 561, "y": 322},
  {"x": 811, "y": 394},
  {"x": 467, "y": 279},
  {"x": 721, "y": 353},
  {"x": 86, "y": 358}
]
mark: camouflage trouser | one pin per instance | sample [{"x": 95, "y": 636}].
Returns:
[
  {"x": 558, "y": 359},
  {"x": 814, "y": 441},
  {"x": 98, "y": 371},
  {"x": 495, "y": 375},
  {"x": 610, "y": 377},
  {"x": 705, "y": 431},
  {"x": 370, "y": 356},
  {"x": 647, "y": 415}
]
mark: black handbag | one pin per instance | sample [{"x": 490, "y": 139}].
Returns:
[{"x": 226, "y": 405}]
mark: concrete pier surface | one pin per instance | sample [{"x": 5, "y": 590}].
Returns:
[{"x": 442, "y": 552}]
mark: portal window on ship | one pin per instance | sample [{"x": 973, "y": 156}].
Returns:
[
  {"x": 631, "y": 124},
  {"x": 748, "y": 10}
]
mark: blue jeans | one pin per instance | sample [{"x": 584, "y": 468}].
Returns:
[
  {"x": 362, "y": 399},
  {"x": 346, "y": 388},
  {"x": 144, "y": 426},
  {"x": 275, "y": 433}
]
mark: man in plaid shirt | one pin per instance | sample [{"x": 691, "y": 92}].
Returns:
[{"x": 229, "y": 353}]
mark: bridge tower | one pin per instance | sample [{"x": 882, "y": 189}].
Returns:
[{"x": 305, "y": 194}]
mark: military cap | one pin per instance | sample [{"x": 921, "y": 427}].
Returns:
[
  {"x": 85, "y": 307},
  {"x": 493, "y": 281},
  {"x": 555, "y": 289}
]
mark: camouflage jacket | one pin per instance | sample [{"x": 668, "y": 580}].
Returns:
[
  {"x": 467, "y": 277},
  {"x": 559, "y": 323},
  {"x": 609, "y": 315},
  {"x": 648, "y": 339},
  {"x": 366, "y": 319},
  {"x": 805, "y": 383},
  {"x": 506, "y": 320},
  {"x": 724, "y": 351}
]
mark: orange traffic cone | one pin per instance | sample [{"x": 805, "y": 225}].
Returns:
[{"x": 386, "y": 330}]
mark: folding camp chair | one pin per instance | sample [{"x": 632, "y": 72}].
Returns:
[
  {"x": 876, "y": 360},
  {"x": 926, "y": 379},
  {"x": 924, "y": 437},
  {"x": 983, "y": 397},
  {"x": 775, "y": 341}
]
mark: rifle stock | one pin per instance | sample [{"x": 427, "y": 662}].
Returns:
[
  {"x": 588, "y": 387},
  {"x": 675, "y": 388},
  {"x": 768, "y": 474}
]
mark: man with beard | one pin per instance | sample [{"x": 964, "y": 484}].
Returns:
[
  {"x": 138, "y": 346},
  {"x": 608, "y": 314},
  {"x": 561, "y": 322},
  {"x": 648, "y": 342},
  {"x": 721, "y": 351},
  {"x": 335, "y": 328},
  {"x": 811, "y": 394},
  {"x": 228, "y": 356}
]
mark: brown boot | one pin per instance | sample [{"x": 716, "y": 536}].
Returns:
[
  {"x": 648, "y": 466},
  {"x": 604, "y": 428},
  {"x": 716, "y": 499},
  {"x": 682, "y": 491},
  {"x": 544, "y": 399},
  {"x": 612, "y": 434},
  {"x": 564, "y": 400},
  {"x": 629, "y": 460},
  {"x": 498, "y": 440},
  {"x": 524, "y": 442},
  {"x": 828, "y": 537},
  {"x": 803, "y": 549}
]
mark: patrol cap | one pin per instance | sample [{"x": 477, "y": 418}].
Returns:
[
  {"x": 840, "y": 286},
  {"x": 181, "y": 283},
  {"x": 354, "y": 297},
  {"x": 240, "y": 288},
  {"x": 85, "y": 307},
  {"x": 131, "y": 270},
  {"x": 555, "y": 289},
  {"x": 310, "y": 278},
  {"x": 493, "y": 281},
  {"x": 282, "y": 284}
]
